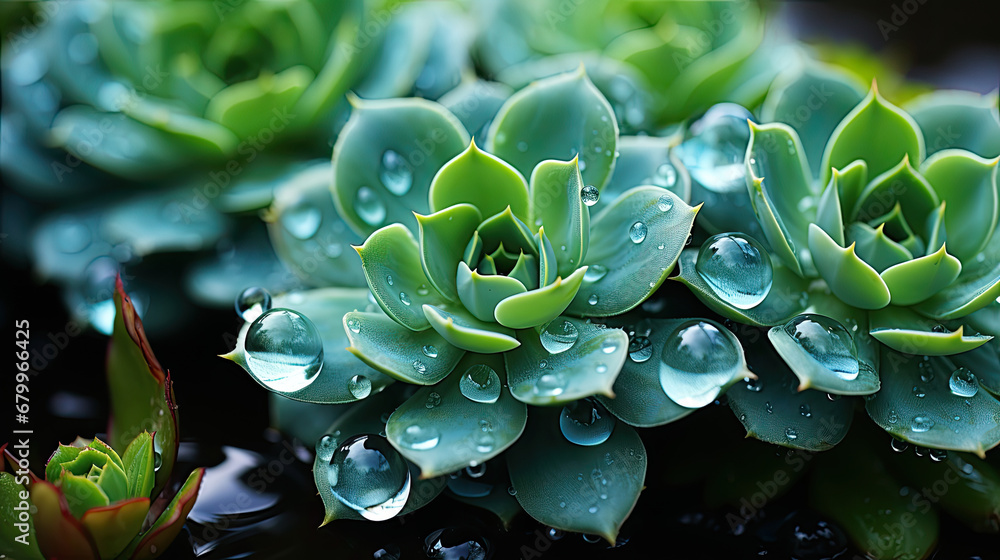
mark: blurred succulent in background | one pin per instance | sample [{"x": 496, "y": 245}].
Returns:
[{"x": 93, "y": 502}]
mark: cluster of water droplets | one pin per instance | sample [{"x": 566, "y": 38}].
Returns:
[
  {"x": 737, "y": 268},
  {"x": 366, "y": 474}
]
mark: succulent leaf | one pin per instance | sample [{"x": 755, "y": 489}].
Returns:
[
  {"x": 475, "y": 103},
  {"x": 588, "y": 367},
  {"x": 969, "y": 185},
  {"x": 418, "y": 357},
  {"x": 829, "y": 214},
  {"x": 385, "y": 158},
  {"x": 598, "y": 484},
  {"x": 480, "y": 294},
  {"x": 905, "y": 331},
  {"x": 556, "y": 202},
  {"x": 917, "y": 404},
  {"x": 903, "y": 185},
  {"x": 875, "y": 131},
  {"x": 81, "y": 494},
  {"x": 461, "y": 329},
  {"x": 645, "y": 160},
  {"x": 10, "y": 493},
  {"x": 443, "y": 236},
  {"x": 467, "y": 432},
  {"x": 168, "y": 525},
  {"x": 113, "y": 527},
  {"x": 916, "y": 280},
  {"x": 325, "y": 308},
  {"x": 634, "y": 244},
  {"x": 813, "y": 374},
  {"x": 138, "y": 461},
  {"x": 571, "y": 110},
  {"x": 774, "y": 229},
  {"x": 958, "y": 119},
  {"x": 875, "y": 248},
  {"x": 482, "y": 180},
  {"x": 536, "y": 307},
  {"x": 60, "y": 534},
  {"x": 851, "y": 279},
  {"x": 775, "y": 155}
]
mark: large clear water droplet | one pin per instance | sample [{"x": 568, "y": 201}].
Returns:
[
  {"x": 826, "y": 341},
  {"x": 590, "y": 195},
  {"x": 697, "y": 360},
  {"x": 549, "y": 385},
  {"x": 665, "y": 203},
  {"x": 594, "y": 273},
  {"x": 921, "y": 424},
  {"x": 640, "y": 349},
  {"x": 737, "y": 268},
  {"x": 666, "y": 177},
  {"x": 302, "y": 221},
  {"x": 252, "y": 302},
  {"x": 456, "y": 544},
  {"x": 637, "y": 233},
  {"x": 963, "y": 383},
  {"x": 480, "y": 384},
  {"x": 430, "y": 351},
  {"x": 714, "y": 153},
  {"x": 369, "y": 207},
  {"x": 593, "y": 299},
  {"x": 284, "y": 350},
  {"x": 586, "y": 422},
  {"x": 420, "y": 438},
  {"x": 559, "y": 335},
  {"x": 369, "y": 476},
  {"x": 396, "y": 174},
  {"x": 359, "y": 386}
]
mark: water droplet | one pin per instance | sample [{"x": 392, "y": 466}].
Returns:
[
  {"x": 594, "y": 273},
  {"x": 696, "y": 361},
  {"x": 805, "y": 410},
  {"x": 963, "y": 383},
  {"x": 665, "y": 203},
  {"x": 640, "y": 349},
  {"x": 754, "y": 384},
  {"x": 558, "y": 336},
  {"x": 302, "y": 221},
  {"x": 252, "y": 302},
  {"x": 609, "y": 346},
  {"x": 354, "y": 324},
  {"x": 484, "y": 442},
  {"x": 590, "y": 195},
  {"x": 637, "y": 233},
  {"x": 549, "y": 385},
  {"x": 419, "y": 367},
  {"x": 430, "y": 351},
  {"x": 827, "y": 342},
  {"x": 714, "y": 154},
  {"x": 592, "y": 300},
  {"x": 396, "y": 174},
  {"x": 157, "y": 460},
  {"x": 423, "y": 290},
  {"x": 666, "y": 176},
  {"x": 585, "y": 422},
  {"x": 898, "y": 445},
  {"x": 480, "y": 384},
  {"x": 369, "y": 476},
  {"x": 433, "y": 399},
  {"x": 522, "y": 146},
  {"x": 832, "y": 397},
  {"x": 769, "y": 407},
  {"x": 420, "y": 438},
  {"x": 388, "y": 279},
  {"x": 791, "y": 433},
  {"x": 938, "y": 455},
  {"x": 601, "y": 368},
  {"x": 284, "y": 350},
  {"x": 404, "y": 299},
  {"x": 893, "y": 417},
  {"x": 919, "y": 392},
  {"x": 921, "y": 424},
  {"x": 455, "y": 543},
  {"x": 512, "y": 491},
  {"x": 359, "y": 386},
  {"x": 592, "y": 509},
  {"x": 369, "y": 207},
  {"x": 737, "y": 268}
]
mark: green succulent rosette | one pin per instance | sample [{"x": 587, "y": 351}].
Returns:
[{"x": 485, "y": 269}]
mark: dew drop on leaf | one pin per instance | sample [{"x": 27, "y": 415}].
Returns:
[
  {"x": 637, "y": 233},
  {"x": 590, "y": 195},
  {"x": 827, "y": 342},
  {"x": 585, "y": 422},
  {"x": 395, "y": 173},
  {"x": 369, "y": 476},
  {"x": 963, "y": 383},
  {"x": 737, "y": 268},
  {"x": 559, "y": 335},
  {"x": 480, "y": 384},
  {"x": 696, "y": 361},
  {"x": 284, "y": 350},
  {"x": 359, "y": 386},
  {"x": 369, "y": 207},
  {"x": 252, "y": 302},
  {"x": 420, "y": 438}
]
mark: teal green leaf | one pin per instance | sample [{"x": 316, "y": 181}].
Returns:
[
  {"x": 875, "y": 248},
  {"x": 937, "y": 233},
  {"x": 490, "y": 491},
  {"x": 829, "y": 214},
  {"x": 418, "y": 357},
  {"x": 621, "y": 272},
  {"x": 968, "y": 183},
  {"x": 785, "y": 300},
  {"x": 977, "y": 287},
  {"x": 385, "y": 158},
  {"x": 774, "y": 229},
  {"x": 875, "y": 131},
  {"x": 813, "y": 374},
  {"x": 772, "y": 408},
  {"x": 556, "y": 202},
  {"x": 81, "y": 494},
  {"x": 481, "y": 294},
  {"x": 308, "y": 234},
  {"x": 598, "y": 484},
  {"x": 482, "y": 180},
  {"x": 812, "y": 98},
  {"x": 916, "y": 404},
  {"x": 467, "y": 432},
  {"x": 984, "y": 362},
  {"x": 973, "y": 494},
  {"x": 898, "y": 229},
  {"x": 391, "y": 259},
  {"x": 916, "y": 280},
  {"x": 504, "y": 228},
  {"x": 246, "y": 107},
  {"x": 958, "y": 119},
  {"x": 589, "y": 367},
  {"x": 905, "y": 331},
  {"x": 852, "y": 486},
  {"x": 645, "y": 160},
  {"x": 139, "y": 462},
  {"x": 530, "y": 309},
  {"x": 555, "y": 118},
  {"x": 326, "y": 309},
  {"x": 526, "y": 271},
  {"x": 850, "y": 278},
  {"x": 10, "y": 493},
  {"x": 903, "y": 185},
  {"x": 443, "y": 236},
  {"x": 852, "y": 180},
  {"x": 775, "y": 155},
  {"x": 463, "y": 330},
  {"x": 367, "y": 417},
  {"x": 475, "y": 103},
  {"x": 546, "y": 258},
  {"x": 639, "y": 398}
]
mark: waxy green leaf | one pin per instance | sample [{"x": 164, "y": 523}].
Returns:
[
  {"x": 556, "y": 202},
  {"x": 418, "y": 357},
  {"x": 443, "y": 240},
  {"x": 482, "y": 180},
  {"x": 850, "y": 278},
  {"x": 969, "y": 186},
  {"x": 461, "y": 329}
]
